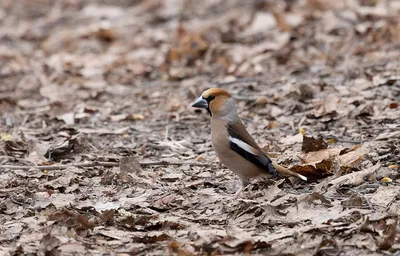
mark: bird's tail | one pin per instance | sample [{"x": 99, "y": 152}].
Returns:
[{"x": 286, "y": 172}]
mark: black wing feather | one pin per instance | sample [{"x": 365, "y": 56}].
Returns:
[{"x": 262, "y": 161}]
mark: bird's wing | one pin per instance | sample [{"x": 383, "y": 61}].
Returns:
[{"x": 242, "y": 143}]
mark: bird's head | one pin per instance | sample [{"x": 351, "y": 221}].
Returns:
[{"x": 218, "y": 102}]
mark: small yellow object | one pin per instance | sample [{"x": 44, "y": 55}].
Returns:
[
  {"x": 165, "y": 77},
  {"x": 6, "y": 136},
  {"x": 302, "y": 131},
  {"x": 125, "y": 135},
  {"x": 393, "y": 166},
  {"x": 45, "y": 171},
  {"x": 138, "y": 116},
  {"x": 200, "y": 158},
  {"x": 332, "y": 140},
  {"x": 125, "y": 213},
  {"x": 386, "y": 180}
]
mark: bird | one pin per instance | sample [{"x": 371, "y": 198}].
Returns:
[{"x": 234, "y": 146}]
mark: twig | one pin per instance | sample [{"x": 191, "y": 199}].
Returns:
[
  {"x": 145, "y": 164},
  {"x": 94, "y": 164}
]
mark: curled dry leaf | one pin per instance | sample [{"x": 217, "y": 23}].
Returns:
[
  {"x": 317, "y": 164},
  {"x": 355, "y": 178},
  {"x": 324, "y": 162},
  {"x": 315, "y": 169},
  {"x": 354, "y": 157}
]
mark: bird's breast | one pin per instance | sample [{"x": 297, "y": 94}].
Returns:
[
  {"x": 220, "y": 139},
  {"x": 228, "y": 157}
]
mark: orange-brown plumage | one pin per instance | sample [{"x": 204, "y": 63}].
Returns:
[{"x": 216, "y": 92}]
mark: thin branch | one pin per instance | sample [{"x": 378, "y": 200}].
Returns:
[
  {"x": 94, "y": 164},
  {"x": 145, "y": 164}
]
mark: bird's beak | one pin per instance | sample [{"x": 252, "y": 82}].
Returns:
[{"x": 200, "y": 103}]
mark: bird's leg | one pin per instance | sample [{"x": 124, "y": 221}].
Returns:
[
  {"x": 219, "y": 164},
  {"x": 243, "y": 186}
]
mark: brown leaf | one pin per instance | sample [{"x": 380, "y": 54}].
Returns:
[
  {"x": 328, "y": 246},
  {"x": 315, "y": 169},
  {"x": 106, "y": 34},
  {"x": 311, "y": 144},
  {"x": 151, "y": 237},
  {"x": 179, "y": 249},
  {"x": 315, "y": 196},
  {"x": 391, "y": 230},
  {"x": 84, "y": 222},
  {"x": 107, "y": 216},
  {"x": 72, "y": 220},
  {"x": 353, "y": 201},
  {"x": 48, "y": 245},
  {"x": 137, "y": 222},
  {"x": 352, "y": 158},
  {"x": 321, "y": 163}
]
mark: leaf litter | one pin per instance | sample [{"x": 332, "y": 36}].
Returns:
[{"x": 87, "y": 83}]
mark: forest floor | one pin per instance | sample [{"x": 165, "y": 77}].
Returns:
[{"x": 100, "y": 151}]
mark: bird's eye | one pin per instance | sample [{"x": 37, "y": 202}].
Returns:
[{"x": 210, "y": 98}]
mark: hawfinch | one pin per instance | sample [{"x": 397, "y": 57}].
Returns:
[{"x": 234, "y": 146}]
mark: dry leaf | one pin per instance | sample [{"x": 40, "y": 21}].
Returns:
[
  {"x": 355, "y": 178},
  {"x": 311, "y": 144},
  {"x": 352, "y": 158},
  {"x": 320, "y": 155},
  {"x": 353, "y": 201}
]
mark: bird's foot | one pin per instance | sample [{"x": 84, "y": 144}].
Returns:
[{"x": 237, "y": 194}]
